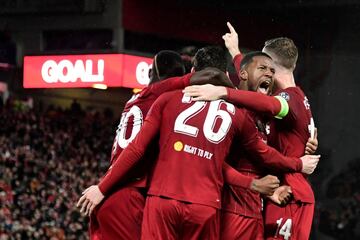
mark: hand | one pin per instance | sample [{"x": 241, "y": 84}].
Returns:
[
  {"x": 282, "y": 195},
  {"x": 312, "y": 144},
  {"x": 265, "y": 185},
  {"x": 231, "y": 41},
  {"x": 205, "y": 92},
  {"x": 211, "y": 75},
  {"x": 309, "y": 163},
  {"x": 91, "y": 197}
]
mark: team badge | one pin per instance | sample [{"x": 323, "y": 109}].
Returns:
[{"x": 285, "y": 96}]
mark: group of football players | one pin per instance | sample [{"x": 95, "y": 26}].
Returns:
[{"x": 196, "y": 158}]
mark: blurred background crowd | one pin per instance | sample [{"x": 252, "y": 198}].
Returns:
[
  {"x": 52, "y": 146},
  {"x": 47, "y": 159}
]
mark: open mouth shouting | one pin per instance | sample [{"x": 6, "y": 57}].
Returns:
[{"x": 264, "y": 86}]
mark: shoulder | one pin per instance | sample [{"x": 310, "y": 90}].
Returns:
[
  {"x": 290, "y": 93},
  {"x": 168, "y": 96}
]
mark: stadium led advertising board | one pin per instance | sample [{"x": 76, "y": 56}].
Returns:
[{"x": 82, "y": 71}]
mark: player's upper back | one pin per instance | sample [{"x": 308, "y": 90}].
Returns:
[
  {"x": 136, "y": 109},
  {"x": 208, "y": 126},
  {"x": 195, "y": 138}
]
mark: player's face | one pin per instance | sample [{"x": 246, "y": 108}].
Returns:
[
  {"x": 260, "y": 74},
  {"x": 275, "y": 62}
]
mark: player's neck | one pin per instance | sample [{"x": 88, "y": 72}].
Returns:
[{"x": 285, "y": 79}]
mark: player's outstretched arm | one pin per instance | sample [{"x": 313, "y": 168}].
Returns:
[
  {"x": 269, "y": 156},
  {"x": 274, "y": 106},
  {"x": 93, "y": 195}
]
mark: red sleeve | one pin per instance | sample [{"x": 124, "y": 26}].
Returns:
[
  {"x": 170, "y": 84},
  {"x": 292, "y": 99},
  {"x": 254, "y": 101},
  {"x": 263, "y": 153},
  {"x": 233, "y": 177},
  {"x": 237, "y": 61},
  {"x": 135, "y": 150}
]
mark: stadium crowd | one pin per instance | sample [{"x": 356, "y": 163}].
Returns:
[
  {"x": 45, "y": 161},
  {"x": 340, "y": 210}
]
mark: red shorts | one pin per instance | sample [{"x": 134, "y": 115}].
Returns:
[
  {"x": 119, "y": 216},
  {"x": 169, "y": 219},
  {"x": 234, "y": 226},
  {"x": 290, "y": 222}
]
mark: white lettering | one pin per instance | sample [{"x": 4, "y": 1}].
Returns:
[
  {"x": 47, "y": 71},
  {"x": 142, "y": 73},
  {"x": 65, "y": 71}
]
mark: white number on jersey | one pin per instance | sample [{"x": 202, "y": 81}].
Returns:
[
  {"x": 311, "y": 128},
  {"x": 214, "y": 113},
  {"x": 120, "y": 138},
  {"x": 285, "y": 229}
]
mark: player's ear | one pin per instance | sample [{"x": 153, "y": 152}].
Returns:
[
  {"x": 243, "y": 74},
  {"x": 227, "y": 74},
  {"x": 192, "y": 69}
]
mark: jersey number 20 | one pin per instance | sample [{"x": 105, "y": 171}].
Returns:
[{"x": 121, "y": 139}]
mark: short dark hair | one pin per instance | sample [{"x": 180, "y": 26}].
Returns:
[
  {"x": 285, "y": 50},
  {"x": 167, "y": 64},
  {"x": 210, "y": 56},
  {"x": 248, "y": 58}
]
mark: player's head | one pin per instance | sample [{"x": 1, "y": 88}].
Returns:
[
  {"x": 211, "y": 56},
  {"x": 283, "y": 51},
  {"x": 256, "y": 72},
  {"x": 166, "y": 64}
]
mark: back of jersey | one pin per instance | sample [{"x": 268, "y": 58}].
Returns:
[
  {"x": 130, "y": 124},
  {"x": 289, "y": 136},
  {"x": 195, "y": 138},
  {"x": 132, "y": 119}
]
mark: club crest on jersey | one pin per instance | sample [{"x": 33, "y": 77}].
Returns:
[{"x": 285, "y": 96}]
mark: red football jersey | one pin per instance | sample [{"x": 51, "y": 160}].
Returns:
[
  {"x": 240, "y": 200},
  {"x": 195, "y": 138},
  {"x": 290, "y": 135},
  {"x": 132, "y": 119}
]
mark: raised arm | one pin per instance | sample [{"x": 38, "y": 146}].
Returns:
[{"x": 231, "y": 41}]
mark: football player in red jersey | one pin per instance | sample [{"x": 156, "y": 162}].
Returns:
[
  {"x": 120, "y": 215},
  {"x": 292, "y": 126},
  {"x": 185, "y": 190},
  {"x": 241, "y": 216}
]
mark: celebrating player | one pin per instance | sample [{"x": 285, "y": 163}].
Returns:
[
  {"x": 185, "y": 191},
  {"x": 289, "y": 131}
]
